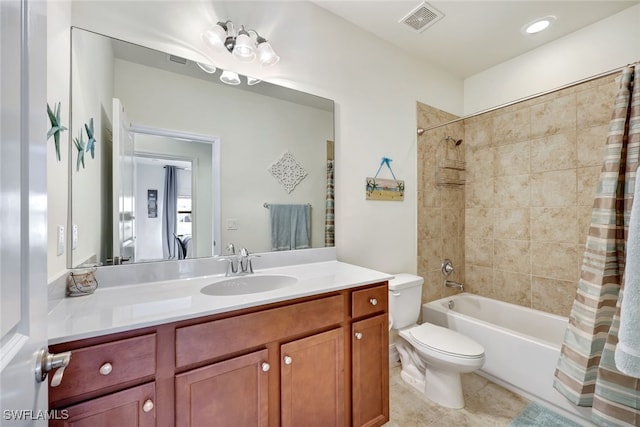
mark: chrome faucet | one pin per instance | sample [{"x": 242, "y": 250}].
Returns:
[
  {"x": 244, "y": 262},
  {"x": 452, "y": 284},
  {"x": 231, "y": 249},
  {"x": 238, "y": 264}
]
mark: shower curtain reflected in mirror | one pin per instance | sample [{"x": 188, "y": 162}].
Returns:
[
  {"x": 329, "y": 219},
  {"x": 170, "y": 214},
  {"x": 586, "y": 372}
]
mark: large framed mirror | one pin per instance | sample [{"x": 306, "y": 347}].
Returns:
[{"x": 184, "y": 166}]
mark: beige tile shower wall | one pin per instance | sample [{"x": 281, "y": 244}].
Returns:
[
  {"x": 440, "y": 208},
  {"x": 533, "y": 168}
]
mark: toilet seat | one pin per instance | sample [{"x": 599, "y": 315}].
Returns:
[{"x": 446, "y": 341}]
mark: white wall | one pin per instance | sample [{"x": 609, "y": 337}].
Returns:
[
  {"x": 58, "y": 57},
  {"x": 149, "y": 230},
  {"x": 254, "y": 131},
  {"x": 92, "y": 79},
  {"x": 375, "y": 87},
  {"x": 598, "y": 48}
]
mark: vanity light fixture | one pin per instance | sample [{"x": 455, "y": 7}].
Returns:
[
  {"x": 538, "y": 25},
  {"x": 244, "y": 45},
  {"x": 209, "y": 69},
  {"x": 252, "y": 81},
  {"x": 230, "y": 78}
]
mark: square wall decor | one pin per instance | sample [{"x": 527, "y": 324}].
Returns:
[{"x": 288, "y": 171}]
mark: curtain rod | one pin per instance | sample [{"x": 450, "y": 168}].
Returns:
[{"x": 526, "y": 98}]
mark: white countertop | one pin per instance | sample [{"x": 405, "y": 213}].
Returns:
[{"x": 121, "y": 308}]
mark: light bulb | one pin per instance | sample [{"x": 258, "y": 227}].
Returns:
[
  {"x": 217, "y": 35},
  {"x": 206, "y": 68},
  {"x": 230, "y": 78},
  {"x": 244, "y": 47},
  {"x": 538, "y": 25},
  {"x": 266, "y": 55}
]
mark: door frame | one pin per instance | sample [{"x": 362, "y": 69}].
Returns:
[
  {"x": 23, "y": 210},
  {"x": 215, "y": 171}
]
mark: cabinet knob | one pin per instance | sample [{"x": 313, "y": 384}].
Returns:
[
  {"x": 265, "y": 367},
  {"x": 358, "y": 335},
  {"x": 106, "y": 369},
  {"x": 288, "y": 360},
  {"x": 148, "y": 405},
  {"x": 373, "y": 301}
]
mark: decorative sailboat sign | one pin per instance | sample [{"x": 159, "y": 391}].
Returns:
[{"x": 385, "y": 189}]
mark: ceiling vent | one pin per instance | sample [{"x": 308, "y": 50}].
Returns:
[
  {"x": 178, "y": 59},
  {"x": 422, "y": 17}
]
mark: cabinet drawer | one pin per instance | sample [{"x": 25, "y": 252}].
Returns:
[
  {"x": 217, "y": 338},
  {"x": 130, "y": 407},
  {"x": 107, "y": 365},
  {"x": 369, "y": 301}
]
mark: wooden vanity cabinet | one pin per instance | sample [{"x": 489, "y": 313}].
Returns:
[
  {"x": 370, "y": 357},
  {"x": 313, "y": 361},
  {"x": 133, "y": 406},
  {"x": 312, "y": 381},
  {"x": 234, "y": 390}
]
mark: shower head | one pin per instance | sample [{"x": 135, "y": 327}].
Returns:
[
  {"x": 455, "y": 141},
  {"x": 421, "y": 131}
]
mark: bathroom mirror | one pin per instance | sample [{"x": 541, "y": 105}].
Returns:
[{"x": 232, "y": 152}]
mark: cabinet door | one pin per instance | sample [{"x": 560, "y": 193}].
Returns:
[
  {"x": 370, "y": 371},
  {"x": 312, "y": 380},
  {"x": 230, "y": 393},
  {"x": 131, "y": 407}
]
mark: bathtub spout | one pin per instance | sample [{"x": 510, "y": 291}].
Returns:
[{"x": 452, "y": 284}]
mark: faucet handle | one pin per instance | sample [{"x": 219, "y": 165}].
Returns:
[
  {"x": 250, "y": 265},
  {"x": 231, "y": 267}
]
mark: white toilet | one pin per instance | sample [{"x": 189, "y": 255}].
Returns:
[{"x": 432, "y": 357}]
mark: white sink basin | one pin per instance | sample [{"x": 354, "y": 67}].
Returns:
[{"x": 250, "y": 284}]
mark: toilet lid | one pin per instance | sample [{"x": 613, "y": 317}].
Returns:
[{"x": 446, "y": 341}]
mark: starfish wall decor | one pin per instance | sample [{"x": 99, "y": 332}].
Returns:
[
  {"x": 56, "y": 127},
  {"x": 80, "y": 146},
  {"x": 91, "y": 142}
]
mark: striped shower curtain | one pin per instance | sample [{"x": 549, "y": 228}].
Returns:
[
  {"x": 170, "y": 214},
  {"x": 586, "y": 372},
  {"x": 329, "y": 218}
]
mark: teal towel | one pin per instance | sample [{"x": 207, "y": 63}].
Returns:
[
  {"x": 290, "y": 227},
  {"x": 627, "y": 354}
]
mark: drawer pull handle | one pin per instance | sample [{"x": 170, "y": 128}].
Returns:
[
  {"x": 358, "y": 335},
  {"x": 147, "y": 406},
  {"x": 106, "y": 369},
  {"x": 288, "y": 360},
  {"x": 373, "y": 301},
  {"x": 265, "y": 367}
]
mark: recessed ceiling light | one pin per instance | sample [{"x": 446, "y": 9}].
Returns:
[{"x": 538, "y": 25}]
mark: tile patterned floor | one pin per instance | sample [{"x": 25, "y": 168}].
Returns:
[{"x": 486, "y": 405}]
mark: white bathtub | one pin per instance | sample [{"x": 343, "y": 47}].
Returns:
[{"x": 521, "y": 345}]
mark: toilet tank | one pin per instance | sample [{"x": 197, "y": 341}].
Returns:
[{"x": 405, "y": 299}]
